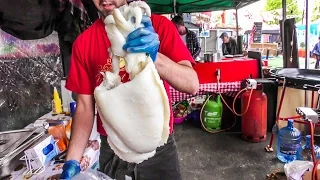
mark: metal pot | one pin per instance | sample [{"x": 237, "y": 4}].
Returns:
[{"x": 208, "y": 57}]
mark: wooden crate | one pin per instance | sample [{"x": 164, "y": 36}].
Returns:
[{"x": 263, "y": 47}]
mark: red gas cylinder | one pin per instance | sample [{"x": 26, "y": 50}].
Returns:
[{"x": 254, "y": 122}]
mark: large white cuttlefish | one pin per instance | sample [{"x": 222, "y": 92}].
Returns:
[{"x": 135, "y": 114}]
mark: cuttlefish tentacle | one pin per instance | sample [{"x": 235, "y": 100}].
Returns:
[
  {"x": 115, "y": 64},
  {"x": 144, "y": 6},
  {"x": 117, "y": 39},
  {"x": 121, "y": 22},
  {"x": 118, "y": 25},
  {"x": 109, "y": 20},
  {"x": 125, "y": 11},
  {"x": 137, "y": 13}
]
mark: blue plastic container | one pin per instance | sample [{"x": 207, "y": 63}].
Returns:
[
  {"x": 305, "y": 153},
  {"x": 289, "y": 141},
  {"x": 73, "y": 106}
]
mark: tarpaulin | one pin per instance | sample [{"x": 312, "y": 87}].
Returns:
[
  {"x": 29, "y": 69},
  {"x": 188, "y": 6},
  {"x": 36, "y": 19}
]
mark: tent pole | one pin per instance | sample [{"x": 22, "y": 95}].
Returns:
[
  {"x": 284, "y": 17},
  {"x": 237, "y": 23},
  {"x": 175, "y": 7},
  {"x": 307, "y": 60}
]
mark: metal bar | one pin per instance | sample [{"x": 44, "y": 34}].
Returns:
[
  {"x": 284, "y": 16},
  {"x": 245, "y": 3},
  {"x": 312, "y": 100},
  {"x": 284, "y": 9},
  {"x": 205, "y": 44},
  {"x": 318, "y": 102},
  {"x": 284, "y": 87},
  {"x": 16, "y": 131},
  {"x": 306, "y": 64},
  {"x": 175, "y": 7},
  {"x": 237, "y": 23},
  {"x": 306, "y": 102},
  {"x": 307, "y": 60}
]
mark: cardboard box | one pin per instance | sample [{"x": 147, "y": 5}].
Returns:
[
  {"x": 308, "y": 174},
  {"x": 42, "y": 152}
]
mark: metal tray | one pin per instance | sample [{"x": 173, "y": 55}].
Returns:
[
  {"x": 11, "y": 160},
  {"x": 10, "y": 140}
]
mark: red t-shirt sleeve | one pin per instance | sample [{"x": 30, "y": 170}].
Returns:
[
  {"x": 78, "y": 79},
  {"x": 171, "y": 44}
]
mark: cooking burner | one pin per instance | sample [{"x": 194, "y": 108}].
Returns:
[
  {"x": 297, "y": 78},
  {"x": 304, "y": 79}
]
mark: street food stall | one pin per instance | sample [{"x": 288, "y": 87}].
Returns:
[
  {"x": 229, "y": 82},
  {"x": 37, "y": 114}
]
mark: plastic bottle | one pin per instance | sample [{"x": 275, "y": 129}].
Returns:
[
  {"x": 305, "y": 153},
  {"x": 57, "y": 130},
  {"x": 56, "y": 102},
  {"x": 289, "y": 141},
  {"x": 68, "y": 131}
]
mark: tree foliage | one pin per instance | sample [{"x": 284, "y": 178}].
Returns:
[
  {"x": 275, "y": 6},
  {"x": 316, "y": 11},
  {"x": 272, "y": 5}
]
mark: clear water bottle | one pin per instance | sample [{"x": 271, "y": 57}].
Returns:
[
  {"x": 305, "y": 152},
  {"x": 289, "y": 141}
]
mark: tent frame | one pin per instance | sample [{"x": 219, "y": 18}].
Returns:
[{"x": 175, "y": 5}]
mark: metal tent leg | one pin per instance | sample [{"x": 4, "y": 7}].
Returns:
[{"x": 269, "y": 147}]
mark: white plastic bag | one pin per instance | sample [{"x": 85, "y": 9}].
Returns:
[
  {"x": 295, "y": 169},
  {"x": 92, "y": 175}
]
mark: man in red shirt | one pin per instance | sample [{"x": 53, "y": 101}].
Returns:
[{"x": 90, "y": 56}]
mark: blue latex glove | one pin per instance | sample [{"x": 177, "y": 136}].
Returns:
[
  {"x": 143, "y": 40},
  {"x": 70, "y": 169}
]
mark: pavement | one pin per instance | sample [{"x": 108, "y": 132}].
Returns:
[{"x": 222, "y": 156}]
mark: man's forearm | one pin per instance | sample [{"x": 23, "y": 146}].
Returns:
[
  {"x": 81, "y": 129},
  {"x": 180, "y": 77}
]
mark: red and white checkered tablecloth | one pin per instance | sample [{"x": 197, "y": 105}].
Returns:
[{"x": 230, "y": 88}]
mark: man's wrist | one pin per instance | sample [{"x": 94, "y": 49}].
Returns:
[
  {"x": 72, "y": 156},
  {"x": 72, "y": 163}
]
